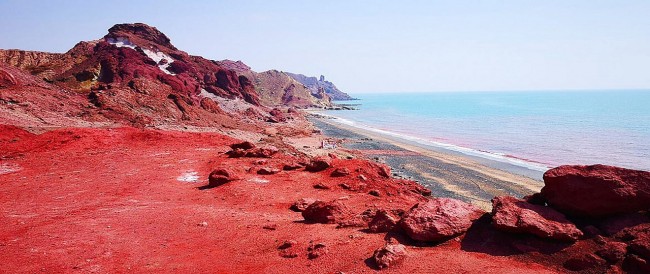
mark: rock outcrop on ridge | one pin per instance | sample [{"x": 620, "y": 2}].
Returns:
[{"x": 318, "y": 85}]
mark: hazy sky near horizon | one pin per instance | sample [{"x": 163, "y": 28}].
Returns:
[{"x": 377, "y": 46}]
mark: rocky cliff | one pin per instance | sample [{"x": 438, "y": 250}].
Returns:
[
  {"x": 135, "y": 74},
  {"x": 316, "y": 85}
]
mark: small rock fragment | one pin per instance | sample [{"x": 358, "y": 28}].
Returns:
[
  {"x": 383, "y": 221},
  {"x": 326, "y": 212},
  {"x": 268, "y": 171},
  {"x": 302, "y": 204},
  {"x": 375, "y": 192},
  {"x": 389, "y": 255},
  {"x": 340, "y": 172},
  {"x": 319, "y": 164},
  {"x": 316, "y": 250}
]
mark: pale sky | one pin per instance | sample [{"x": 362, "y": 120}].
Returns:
[{"x": 377, "y": 46}]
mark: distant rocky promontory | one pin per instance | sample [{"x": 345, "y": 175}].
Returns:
[{"x": 315, "y": 84}]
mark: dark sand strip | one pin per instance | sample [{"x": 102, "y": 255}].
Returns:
[{"x": 446, "y": 173}]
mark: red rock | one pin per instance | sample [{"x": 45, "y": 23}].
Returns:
[
  {"x": 390, "y": 255},
  {"x": 267, "y": 171},
  {"x": 596, "y": 191},
  {"x": 326, "y": 212},
  {"x": 439, "y": 219},
  {"x": 321, "y": 185},
  {"x": 383, "y": 221},
  {"x": 289, "y": 249},
  {"x": 613, "y": 252},
  {"x": 384, "y": 170},
  {"x": 319, "y": 164},
  {"x": 236, "y": 153},
  {"x": 7, "y": 79},
  {"x": 243, "y": 145},
  {"x": 316, "y": 250},
  {"x": 354, "y": 221},
  {"x": 142, "y": 31},
  {"x": 220, "y": 176},
  {"x": 302, "y": 204},
  {"x": 583, "y": 262},
  {"x": 210, "y": 105},
  {"x": 277, "y": 115},
  {"x": 263, "y": 152},
  {"x": 340, "y": 172},
  {"x": 513, "y": 215},
  {"x": 292, "y": 166},
  {"x": 270, "y": 227}
]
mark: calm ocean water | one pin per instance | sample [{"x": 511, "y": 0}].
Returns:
[{"x": 541, "y": 129}]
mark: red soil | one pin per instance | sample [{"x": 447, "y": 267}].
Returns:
[{"x": 110, "y": 200}]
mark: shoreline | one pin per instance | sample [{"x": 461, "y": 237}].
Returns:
[{"x": 446, "y": 173}]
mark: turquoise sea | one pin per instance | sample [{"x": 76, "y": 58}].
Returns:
[{"x": 538, "y": 129}]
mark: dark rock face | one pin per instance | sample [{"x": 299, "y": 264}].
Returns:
[
  {"x": 513, "y": 215},
  {"x": 596, "y": 191},
  {"x": 243, "y": 145},
  {"x": 439, "y": 219},
  {"x": 319, "y": 164},
  {"x": 220, "y": 176},
  {"x": 141, "y": 30},
  {"x": 389, "y": 255},
  {"x": 326, "y": 212}
]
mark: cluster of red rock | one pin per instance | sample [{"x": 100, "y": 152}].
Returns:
[
  {"x": 602, "y": 204},
  {"x": 582, "y": 193}
]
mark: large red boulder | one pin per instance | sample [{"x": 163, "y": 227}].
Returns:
[
  {"x": 513, "y": 215},
  {"x": 326, "y": 212},
  {"x": 439, "y": 219},
  {"x": 596, "y": 191}
]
